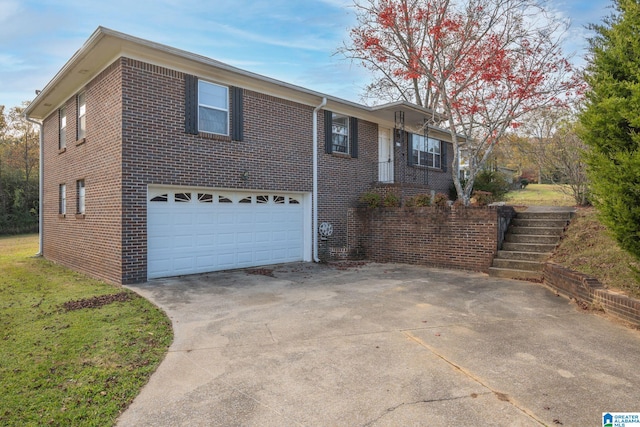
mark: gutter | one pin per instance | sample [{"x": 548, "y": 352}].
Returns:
[
  {"x": 315, "y": 178},
  {"x": 40, "y": 180}
]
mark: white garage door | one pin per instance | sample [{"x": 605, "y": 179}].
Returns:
[{"x": 196, "y": 231}]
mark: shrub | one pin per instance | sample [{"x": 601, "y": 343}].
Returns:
[
  {"x": 492, "y": 182},
  {"x": 441, "y": 200},
  {"x": 372, "y": 200},
  {"x": 391, "y": 200},
  {"x": 423, "y": 200},
  {"x": 458, "y": 204},
  {"x": 482, "y": 198}
]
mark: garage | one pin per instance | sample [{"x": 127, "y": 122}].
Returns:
[{"x": 200, "y": 230}]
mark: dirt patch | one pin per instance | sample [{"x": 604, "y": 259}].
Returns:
[
  {"x": 96, "y": 302},
  {"x": 346, "y": 265},
  {"x": 261, "y": 272}
]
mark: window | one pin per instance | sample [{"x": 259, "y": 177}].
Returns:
[
  {"x": 80, "y": 196},
  {"x": 205, "y": 197},
  {"x": 160, "y": 198},
  {"x": 62, "y": 136},
  {"x": 213, "y": 108},
  {"x": 425, "y": 151},
  {"x": 340, "y": 133},
  {"x": 62, "y": 209},
  {"x": 182, "y": 197},
  {"x": 82, "y": 116}
]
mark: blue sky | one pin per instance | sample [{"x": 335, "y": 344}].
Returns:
[{"x": 290, "y": 40}]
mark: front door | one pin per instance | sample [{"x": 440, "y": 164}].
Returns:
[{"x": 385, "y": 156}]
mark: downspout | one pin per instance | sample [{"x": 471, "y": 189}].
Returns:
[
  {"x": 40, "y": 181},
  {"x": 315, "y": 178}
]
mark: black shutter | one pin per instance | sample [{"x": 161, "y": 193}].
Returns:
[
  {"x": 407, "y": 135},
  {"x": 353, "y": 137},
  {"x": 328, "y": 131},
  {"x": 190, "y": 104},
  {"x": 443, "y": 156},
  {"x": 237, "y": 118}
]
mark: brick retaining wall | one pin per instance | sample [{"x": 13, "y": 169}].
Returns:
[
  {"x": 458, "y": 238},
  {"x": 585, "y": 288}
]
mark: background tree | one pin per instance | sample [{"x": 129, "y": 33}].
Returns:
[
  {"x": 18, "y": 172},
  {"x": 565, "y": 156},
  {"x": 514, "y": 151},
  {"x": 540, "y": 126},
  {"x": 480, "y": 64},
  {"x": 611, "y": 122},
  {"x": 3, "y": 141}
]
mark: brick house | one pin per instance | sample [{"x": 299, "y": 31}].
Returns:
[{"x": 159, "y": 162}]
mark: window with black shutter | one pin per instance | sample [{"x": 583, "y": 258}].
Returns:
[
  {"x": 340, "y": 133},
  {"x": 207, "y": 108}
]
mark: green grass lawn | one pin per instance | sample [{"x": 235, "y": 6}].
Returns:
[
  {"x": 540, "y": 195},
  {"x": 68, "y": 358}
]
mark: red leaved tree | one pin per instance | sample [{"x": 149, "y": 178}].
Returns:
[{"x": 479, "y": 65}]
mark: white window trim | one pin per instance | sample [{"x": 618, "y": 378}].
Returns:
[
  {"x": 428, "y": 142},
  {"x": 211, "y": 107},
  {"x": 346, "y": 134},
  {"x": 81, "y": 132},
  {"x": 62, "y": 202},
  {"x": 81, "y": 190},
  {"x": 62, "y": 131}
]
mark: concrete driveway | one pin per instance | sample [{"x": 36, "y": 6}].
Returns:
[{"x": 382, "y": 345}]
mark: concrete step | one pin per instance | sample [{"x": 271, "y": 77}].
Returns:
[
  {"x": 515, "y": 274},
  {"x": 521, "y": 222},
  {"x": 544, "y": 215},
  {"x": 537, "y": 231},
  {"x": 527, "y": 256},
  {"x": 527, "y": 247},
  {"x": 517, "y": 264},
  {"x": 526, "y": 238}
]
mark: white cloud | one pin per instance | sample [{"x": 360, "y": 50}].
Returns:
[
  {"x": 338, "y": 3},
  {"x": 306, "y": 43},
  {"x": 10, "y": 63}
]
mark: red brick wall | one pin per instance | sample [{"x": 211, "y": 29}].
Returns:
[
  {"x": 276, "y": 151},
  {"x": 416, "y": 176},
  {"x": 459, "y": 238},
  {"x": 585, "y": 288},
  {"x": 89, "y": 243},
  {"x": 343, "y": 179}
]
